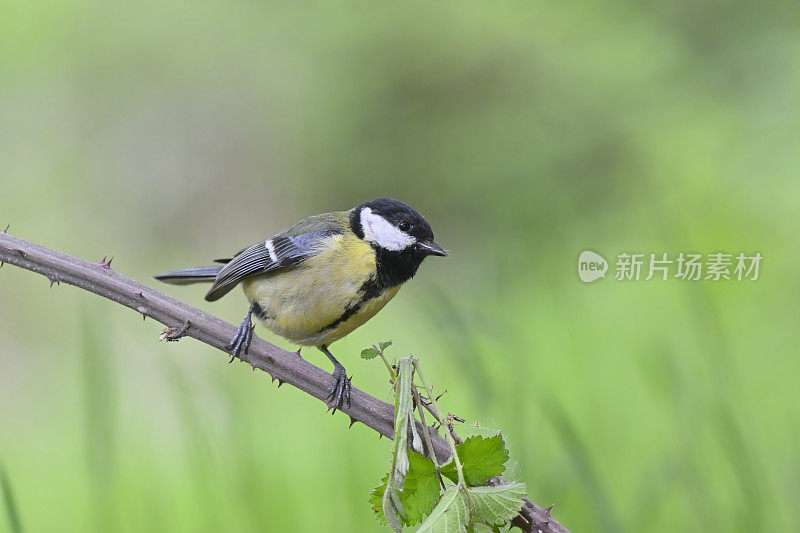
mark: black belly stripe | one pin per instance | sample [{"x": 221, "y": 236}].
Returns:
[
  {"x": 371, "y": 289},
  {"x": 350, "y": 311}
]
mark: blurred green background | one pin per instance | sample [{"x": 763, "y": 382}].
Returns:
[{"x": 166, "y": 134}]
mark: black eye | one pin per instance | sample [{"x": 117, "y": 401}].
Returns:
[{"x": 404, "y": 226}]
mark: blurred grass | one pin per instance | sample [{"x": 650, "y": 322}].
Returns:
[
  {"x": 99, "y": 388},
  {"x": 9, "y": 504},
  {"x": 168, "y": 134}
]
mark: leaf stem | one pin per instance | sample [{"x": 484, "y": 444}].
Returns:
[
  {"x": 448, "y": 437},
  {"x": 426, "y": 433},
  {"x": 392, "y": 373}
]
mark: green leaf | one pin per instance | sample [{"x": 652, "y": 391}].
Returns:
[
  {"x": 403, "y": 408},
  {"x": 483, "y": 528},
  {"x": 393, "y": 509},
  {"x": 449, "y": 516},
  {"x": 420, "y": 491},
  {"x": 497, "y": 505},
  {"x": 411, "y": 489},
  {"x": 383, "y": 345},
  {"x": 419, "y": 494},
  {"x": 376, "y": 499},
  {"x": 403, "y": 415},
  {"x": 369, "y": 353},
  {"x": 481, "y": 458}
]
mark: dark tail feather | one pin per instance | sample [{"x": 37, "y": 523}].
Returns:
[{"x": 188, "y": 276}]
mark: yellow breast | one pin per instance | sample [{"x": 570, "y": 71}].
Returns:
[{"x": 320, "y": 301}]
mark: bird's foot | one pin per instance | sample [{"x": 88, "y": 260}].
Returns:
[
  {"x": 240, "y": 343},
  {"x": 340, "y": 391}
]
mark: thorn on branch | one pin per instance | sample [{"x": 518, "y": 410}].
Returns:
[
  {"x": 280, "y": 382},
  {"x": 53, "y": 281},
  {"x": 105, "y": 264},
  {"x": 352, "y": 421},
  {"x": 173, "y": 334},
  {"x": 522, "y": 522},
  {"x": 5, "y": 230}
]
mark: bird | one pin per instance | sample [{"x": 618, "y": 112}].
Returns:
[{"x": 320, "y": 279}]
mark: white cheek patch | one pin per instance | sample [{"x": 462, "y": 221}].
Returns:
[{"x": 380, "y": 231}]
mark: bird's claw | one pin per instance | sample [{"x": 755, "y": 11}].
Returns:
[
  {"x": 340, "y": 391},
  {"x": 240, "y": 343}
]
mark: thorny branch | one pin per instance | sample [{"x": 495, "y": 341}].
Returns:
[{"x": 183, "y": 320}]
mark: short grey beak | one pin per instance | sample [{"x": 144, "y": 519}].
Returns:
[{"x": 431, "y": 248}]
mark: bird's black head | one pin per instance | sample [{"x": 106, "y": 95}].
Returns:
[{"x": 401, "y": 237}]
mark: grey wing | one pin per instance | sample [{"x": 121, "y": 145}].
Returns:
[{"x": 278, "y": 253}]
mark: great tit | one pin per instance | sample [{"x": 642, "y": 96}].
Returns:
[{"x": 320, "y": 279}]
